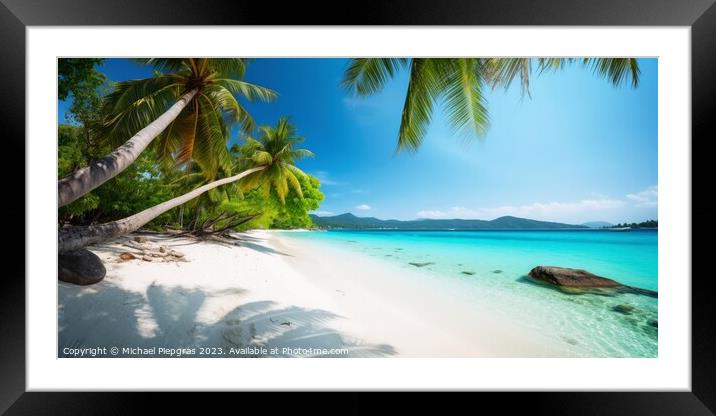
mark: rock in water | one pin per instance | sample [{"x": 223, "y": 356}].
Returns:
[
  {"x": 579, "y": 281},
  {"x": 80, "y": 267},
  {"x": 562, "y": 276},
  {"x": 623, "y": 308},
  {"x": 416, "y": 264}
]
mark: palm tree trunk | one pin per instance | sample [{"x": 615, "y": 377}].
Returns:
[
  {"x": 73, "y": 238},
  {"x": 82, "y": 181}
]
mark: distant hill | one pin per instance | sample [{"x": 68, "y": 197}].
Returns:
[
  {"x": 351, "y": 221},
  {"x": 598, "y": 224}
]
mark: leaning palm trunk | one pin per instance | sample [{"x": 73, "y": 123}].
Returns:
[
  {"x": 73, "y": 238},
  {"x": 82, "y": 181}
]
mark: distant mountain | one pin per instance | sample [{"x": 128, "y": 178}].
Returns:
[
  {"x": 351, "y": 221},
  {"x": 597, "y": 224}
]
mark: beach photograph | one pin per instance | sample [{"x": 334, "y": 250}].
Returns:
[{"x": 357, "y": 207}]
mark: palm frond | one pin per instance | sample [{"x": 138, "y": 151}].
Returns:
[
  {"x": 250, "y": 91},
  {"x": 297, "y": 154},
  {"x": 464, "y": 99},
  {"x": 132, "y": 105},
  {"x": 188, "y": 134},
  {"x": 210, "y": 150},
  {"x": 228, "y": 105},
  {"x": 228, "y": 67},
  {"x": 500, "y": 72},
  {"x": 616, "y": 70},
  {"x": 423, "y": 90},
  {"x": 293, "y": 181},
  {"x": 262, "y": 158},
  {"x": 164, "y": 64},
  {"x": 365, "y": 76}
]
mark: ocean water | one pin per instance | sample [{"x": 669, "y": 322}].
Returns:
[{"x": 490, "y": 268}]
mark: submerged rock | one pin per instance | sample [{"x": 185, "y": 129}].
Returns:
[
  {"x": 498, "y": 271},
  {"x": 467, "y": 273},
  {"x": 653, "y": 322},
  {"x": 638, "y": 291},
  {"x": 578, "y": 281},
  {"x": 427, "y": 263},
  {"x": 80, "y": 267},
  {"x": 571, "y": 341},
  {"x": 623, "y": 308}
]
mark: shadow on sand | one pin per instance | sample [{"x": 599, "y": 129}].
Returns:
[{"x": 106, "y": 315}]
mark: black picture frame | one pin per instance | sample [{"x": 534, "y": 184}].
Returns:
[{"x": 699, "y": 15}]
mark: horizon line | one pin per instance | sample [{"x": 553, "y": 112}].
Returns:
[{"x": 479, "y": 219}]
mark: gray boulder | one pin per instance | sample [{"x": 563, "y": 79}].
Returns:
[{"x": 80, "y": 267}]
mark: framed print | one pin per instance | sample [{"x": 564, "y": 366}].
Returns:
[{"x": 409, "y": 197}]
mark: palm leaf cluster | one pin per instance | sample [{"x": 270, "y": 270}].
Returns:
[
  {"x": 275, "y": 149},
  {"x": 459, "y": 84},
  {"x": 201, "y": 131}
]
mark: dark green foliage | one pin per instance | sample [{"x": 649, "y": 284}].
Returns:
[
  {"x": 70, "y": 149},
  {"x": 645, "y": 224},
  {"x": 79, "y": 79},
  {"x": 139, "y": 187},
  {"x": 77, "y": 73},
  {"x": 71, "y": 155}
]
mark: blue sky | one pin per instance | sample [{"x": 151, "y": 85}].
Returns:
[{"x": 577, "y": 150}]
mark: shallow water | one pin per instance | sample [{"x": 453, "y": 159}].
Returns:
[{"x": 490, "y": 268}]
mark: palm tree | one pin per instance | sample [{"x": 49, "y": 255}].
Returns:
[
  {"x": 460, "y": 83},
  {"x": 267, "y": 163},
  {"x": 276, "y": 148},
  {"x": 190, "y": 109}
]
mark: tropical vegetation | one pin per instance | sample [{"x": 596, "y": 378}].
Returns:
[
  {"x": 179, "y": 157},
  {"x": 643, "y": 224}
]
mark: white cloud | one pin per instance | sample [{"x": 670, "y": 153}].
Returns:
[
  {"x": 363, "y": 207},
  {"x": 575, "y": 212},
  {"x": 646, "y": 198},
  {"x": 432, "y": 214},
  {"x": 323, "y": 212},
  {"x": 551, "y": 211}
]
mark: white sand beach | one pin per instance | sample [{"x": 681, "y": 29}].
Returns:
[{"x": 290, "y": 297}]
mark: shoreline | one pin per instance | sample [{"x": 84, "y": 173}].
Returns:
[
  {"x": 274, "y": 291},
  {"x": 414, "y": 303}
]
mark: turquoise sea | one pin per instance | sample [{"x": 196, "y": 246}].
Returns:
[{"x": 490, "y": 268}]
